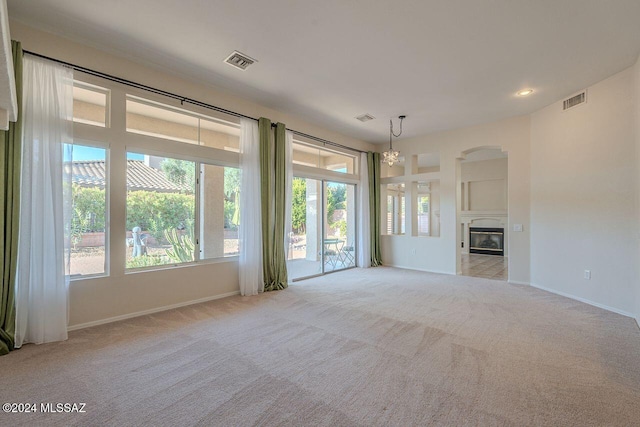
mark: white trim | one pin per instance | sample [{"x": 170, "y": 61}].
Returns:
[
  {"x": 418, "y": 269},
  {"x": 515, "y": 282},
  {"x": 584, "y": 300},
  {"x": 638, "y": 321},
  {"x": 150, "y": 311}
]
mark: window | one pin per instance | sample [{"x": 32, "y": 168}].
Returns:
[
  {"x": 320, "y": 157},
  {"x": 161, "y": 205},
  {"x": 423, "y": 214},
  {"x": 181, "y": 204},
  {"x": 219, "y": 211},
  {"x": 390, "y": 214},
  {"x": 90, "y": 104},
  {"x": 180, "y": 211},
  {"x": 158, "y": 120},
  {"x": 88, "y": 169},
  {"x": 395, "y": 209}
]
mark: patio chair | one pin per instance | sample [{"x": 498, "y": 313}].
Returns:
[
  {"x": 332, "y": 252},
  {"x": 348, "y": 256}
]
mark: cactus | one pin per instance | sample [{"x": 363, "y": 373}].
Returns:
[{"x": 182, "y": 247}]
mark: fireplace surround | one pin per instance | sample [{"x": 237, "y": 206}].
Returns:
[{"x": 488, "y": 241}]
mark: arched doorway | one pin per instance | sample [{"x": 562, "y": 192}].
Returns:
[{"x": 483, "y": 217}]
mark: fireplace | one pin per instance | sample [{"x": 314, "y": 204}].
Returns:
[{"x": 488, "y": 241}]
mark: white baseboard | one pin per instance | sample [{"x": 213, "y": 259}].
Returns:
[
  {"x": 404, "y": 267},
  {"x": 516, "y": 282},
  {"x": 584, "y": 300},
  {"x": 638, "y": 321},
  {"x": 150, "y": 311}
]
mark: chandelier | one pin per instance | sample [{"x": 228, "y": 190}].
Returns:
[{"x": 391, "y": 156}]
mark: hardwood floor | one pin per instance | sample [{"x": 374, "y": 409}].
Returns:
[{"x": 485, "y": 266}]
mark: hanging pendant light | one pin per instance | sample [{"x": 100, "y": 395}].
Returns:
[{"x": 391, "y": 156}]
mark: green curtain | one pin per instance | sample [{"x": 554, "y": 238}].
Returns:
[
  {"x": 264, "y": 129},
  {"x": 373, "y": 164},
  {"x": 279, "y": 256},
  {"x": 10, "y": 157},
  {"x": 273, "y": 191}
]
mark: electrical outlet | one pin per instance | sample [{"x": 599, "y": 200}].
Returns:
[
  {"x": 517, "y": 227},
  {"x": 587, "y": 274}
]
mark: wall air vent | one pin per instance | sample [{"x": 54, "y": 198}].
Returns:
[
  {"x": 365, "y": 117},
  {"x": 578, "y": 99},
  {"x": 239, "y": 60}
]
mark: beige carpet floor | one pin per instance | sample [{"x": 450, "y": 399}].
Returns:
[{"x": 357, "y": 348}]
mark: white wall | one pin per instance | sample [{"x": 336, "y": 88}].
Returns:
[
  {"x": 487, "y": 180},
  {"x": 441, "y": 254},
  {"x": 583, "y": 187},
  {"x": 574, "y": 184},
  {"x": 95, "y": 300}
]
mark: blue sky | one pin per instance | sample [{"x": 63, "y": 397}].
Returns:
[{"x": 84, "y": 153}]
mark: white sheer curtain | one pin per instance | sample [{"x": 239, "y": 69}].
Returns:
[
  {"x": 250, "y": 230},
  {"x": 364, "y": 226},
  {"x": 289, "y": 194},
  {"x": 42, "y": 283}
]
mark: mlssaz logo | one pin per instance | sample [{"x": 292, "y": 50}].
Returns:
[{"x": 63, "y": 407}]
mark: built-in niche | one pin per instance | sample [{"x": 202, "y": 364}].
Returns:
[{"x": 410, "y": 194}]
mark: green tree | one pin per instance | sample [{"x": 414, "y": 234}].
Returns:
[
  {"x": 232, "y": 181},
  {"x": 336, "y": 199},
  {"x": 180, "y": 172},
  {"x": 299, "y": 205}
]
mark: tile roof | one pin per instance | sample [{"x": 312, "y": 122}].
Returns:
[{"x": 139, "y": 176}]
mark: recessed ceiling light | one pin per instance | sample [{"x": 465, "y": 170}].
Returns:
[{"x": 524, "y": 92}]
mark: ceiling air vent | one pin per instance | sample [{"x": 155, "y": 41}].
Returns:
[
  {"x": 578, "y": 99},
  {"x": 239, "y": 60},
  {"x": 365, "y": 117}
]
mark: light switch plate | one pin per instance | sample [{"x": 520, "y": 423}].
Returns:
[{"x": 517, "y": 227}]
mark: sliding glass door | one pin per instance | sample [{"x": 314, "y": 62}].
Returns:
[
  {"x": 322, "y": 237},
  {"x": 304, "y": 251},
  {"x": 339, "y": 226}
]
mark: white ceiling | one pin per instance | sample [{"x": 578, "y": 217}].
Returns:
[{"x": 443, "y": 63}]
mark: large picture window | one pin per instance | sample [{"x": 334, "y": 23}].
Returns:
[
  {"x": 162, "y": 187},
  {"x": 180, "y": 211},
  {"x": 161, "y": 210}
]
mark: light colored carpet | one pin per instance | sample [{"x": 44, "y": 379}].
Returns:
[{"x": 361, "y": 347}]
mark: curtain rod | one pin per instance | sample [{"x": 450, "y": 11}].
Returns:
[{"x": 182, "y": 99}]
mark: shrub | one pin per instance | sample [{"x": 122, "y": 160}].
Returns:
[
  {"x": 157, "y": 212},
  {"x": 88, "y": 209},
  {"x": 148, "y": 210},
  {"x": 145, "y": 261}
]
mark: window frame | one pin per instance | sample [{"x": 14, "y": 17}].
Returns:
[
  {"x": 90, "y": 86},
  {"x": 107, "y": 208},
  {"x": 197, "y": 228},
  {"x": 114, "y": 137}
]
